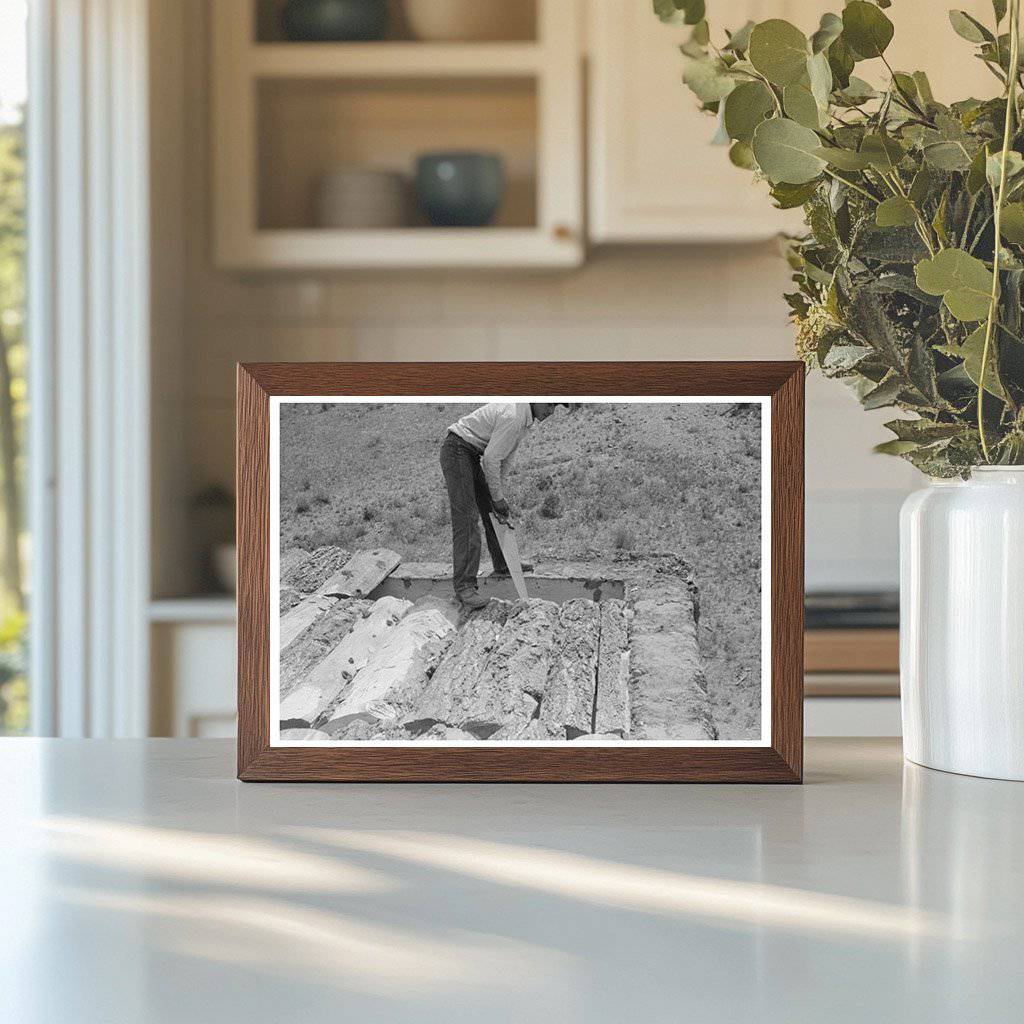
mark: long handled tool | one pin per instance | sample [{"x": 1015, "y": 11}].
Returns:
[{"x": 510, "y": 549}]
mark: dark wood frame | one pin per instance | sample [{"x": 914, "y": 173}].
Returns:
[{"x": 782, "y": 761}]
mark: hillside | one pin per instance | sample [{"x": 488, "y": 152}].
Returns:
[{"x": 650, "y": 478}]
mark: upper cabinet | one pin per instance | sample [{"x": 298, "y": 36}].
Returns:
[
  {"x": 654, "y": 176},
  {"x": 316, "y": 143}
]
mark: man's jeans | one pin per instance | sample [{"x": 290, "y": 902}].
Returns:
[{"x": 471, "y": 501}]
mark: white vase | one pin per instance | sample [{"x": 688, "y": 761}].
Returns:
[{"x": 962, "y": 624}]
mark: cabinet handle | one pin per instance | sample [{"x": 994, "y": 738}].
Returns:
[{"x": 562, "y": 232}]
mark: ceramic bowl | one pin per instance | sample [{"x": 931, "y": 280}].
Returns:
[
  {"x": 333, "y": 21},
  {"x": 359, "y": 197},
  {"x": 470, "y": 20},
  {"x": 458, "y": 189}
]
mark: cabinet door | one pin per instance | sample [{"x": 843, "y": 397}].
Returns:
[{"x": 653, "y": 174}]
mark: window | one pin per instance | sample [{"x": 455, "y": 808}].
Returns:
[{"x": 14, "y": 691}]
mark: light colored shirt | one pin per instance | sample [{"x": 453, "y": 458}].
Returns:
[{"x": 495, "y": 430}]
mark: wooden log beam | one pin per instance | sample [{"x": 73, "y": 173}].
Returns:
[
  {"x": 395, "y": 675},
  {"x": 306, "y": 651},
  {"x": 491, "y": 683},
  {"x": 567, "y": 708},
  {"x": 362, "y": 573},
  {"x": 314, "y": 696},
  {"x": 306, "y": 571},
  {"x": 611, "y": 710},
  {"x": 297, "y": 620},
  {"x": 667, "y": 688},
  {"x": 458, "y": 675}
]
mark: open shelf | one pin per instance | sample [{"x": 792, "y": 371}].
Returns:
[
  {"x": 308, "y": 127},
  {"x": 286, "y": 114},
  {"x": 388, "y": 60}
]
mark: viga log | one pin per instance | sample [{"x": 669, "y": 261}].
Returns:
[
  {"x": 397, "y": 671},
  {"x": 611, "y": 690},
  {"x": 315, "y": 697},
  {"x": 362, "y": 573},
  {"x": 454, "y": 685},
  {"x": 669, "y": 695},
  {"x": 567, "y": 704},
  {"x": 306, "y": 571},
  {"x": 492, "y": 681},
  {"x": 316, "y": 641}
]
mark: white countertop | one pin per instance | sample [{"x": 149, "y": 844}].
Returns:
[{"x": 140, "y": 882}]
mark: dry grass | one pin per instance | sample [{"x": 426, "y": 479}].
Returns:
[{"x": 659, "y": 478}]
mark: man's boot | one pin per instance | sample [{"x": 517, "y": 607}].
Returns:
[{"x": 471, "y": 600}]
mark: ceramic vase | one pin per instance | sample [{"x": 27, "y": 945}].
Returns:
[{"x": 962, "y": 624}]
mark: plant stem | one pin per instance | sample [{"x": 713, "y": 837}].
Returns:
[
  {"x": 853, "y": 185},
  {"x": 1011, "y": 109},
  {"x": 907, "y": 99}
]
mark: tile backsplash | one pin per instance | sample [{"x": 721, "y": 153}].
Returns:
[
  {"x": 712, "y": 302},
  {"x": 708, "y": 303}
]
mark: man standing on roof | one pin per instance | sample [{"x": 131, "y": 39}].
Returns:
[{"x": 475, "y": 458}]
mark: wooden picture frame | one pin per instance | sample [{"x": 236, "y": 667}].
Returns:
[{"x": 778, "y": 759}]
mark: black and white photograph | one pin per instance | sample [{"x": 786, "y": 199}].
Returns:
[{"x": 503, "y": 571}]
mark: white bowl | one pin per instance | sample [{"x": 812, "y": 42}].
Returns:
[
  {"x": 362, "y": 198},
  {"x": 470, "y": 20}
]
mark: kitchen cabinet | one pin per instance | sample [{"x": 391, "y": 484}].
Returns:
[
  {"x": 287, "y": 114},
  {"x": 653, "y": 177}
]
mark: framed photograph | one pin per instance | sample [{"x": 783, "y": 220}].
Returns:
[{"x": 563, "y": 572}]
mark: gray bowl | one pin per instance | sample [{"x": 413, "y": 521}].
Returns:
[{"x": 460, "y": 189}]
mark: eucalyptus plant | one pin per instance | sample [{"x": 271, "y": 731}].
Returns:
[{"x": 910, "y": 277}]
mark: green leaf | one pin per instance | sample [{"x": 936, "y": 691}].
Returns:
[
  {"x": 844, "y": 159},
  {"x": 800, "y": 105},
  {"x": 819, "y": 74},
  {"x": 739, "y": 41},
  {"x": 741, "y": 155},
  {"x": 947, "y": 156},
  {"x": 689, "y": 12},
  {"x": 924, "y": 88},
  {"x": 866, "y": 29},
  {"x": 857, "y": 91},
  {"x": 666, "y": 10},
  {"x": 701, "y": 34},
  {"x": 922, "y": 185},
  {"x": 1012, "y": 223},
  {"x": 829, "y": 30},
  {"x": 969, "y": 28},
  {"x": 885, "y": 394},
  {"x": 993, "y": 167},
  {"x": 895, "y": 212},
  {"x": 883, "y": 152},
  {"x": 939, "y": 220},
  {"x": 707, "y": 78},
  {"x": 787, "y": 151},
  {"x": 895, "y": 447},
  {"x": 745, "y": 108},
  {"x": 923, "y": 431},
  {"x": 976, "y": 173},
  {"x": 788, "y": 197},
  {"x": 963, "y": 281},
  {"x": 971, "y": 352},
  {"x": 905, "y": 84},
  {"x": 999, "y": 9},
  {"x": 779, "y": 51},
  {"x": 840, "y": 61}
]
